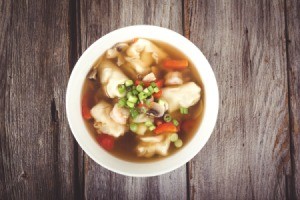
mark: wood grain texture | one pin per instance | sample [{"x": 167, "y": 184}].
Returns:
[
  {"x": 98, "y": 18},
  {"x": 36, "y": 160},
  {"x": 248, "y": 154},
  {"x": 293, "y": 47}
]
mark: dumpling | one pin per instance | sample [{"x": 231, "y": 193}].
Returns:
[
  {"x": 150, "y": 145},
  {"x": 185, "y": 95},
  {"x": 104, "y": 123},
  {"x": 142, "y": 53},
  {"x": 110, "y": 77}
]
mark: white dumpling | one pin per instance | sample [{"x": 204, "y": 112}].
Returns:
[
  {"x": 142, "y": 53},
  {"x": 110, "y": 77},
  {"x": 150, "y": 145},
  {"x": 104, "y": 123},
  {"x": 119, "y": 114},
  {"x": 185, "y": 95}
]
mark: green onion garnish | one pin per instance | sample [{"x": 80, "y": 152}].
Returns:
[
  {"x": 132, "y": 99},
  {"x": 167, "y": 118},
  {"x": 153, "y": 84},
  {"x": 130, "y": 104},
  {"x": 148, "y": 123},
  {"x": 151, "y": 128},
  {"x": 184, "y": 110},
  {"x": 133, "y": 127},
  {"x": 121, "y": 88},
  {"x": 135, "y": 92},
  {"x": 175, "y": 122},
  {"x": 146, "y": 91},
  {"x": 122, "y": 102},
  {"x": 156, "y": 89},
  {"x": 129, "y": 94},
  {"x": 142, "y": 96},
  {"x": 139, "y": 88},
  {"x": 128, "y": 83},
  {"x": 134, "y": 113},
  {"x": 150, "y": 88},
  {"x": 178, "y": 143},
  {"x": 174, "y": 137}
]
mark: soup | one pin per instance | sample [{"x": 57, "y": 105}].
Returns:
[{"x": 142, "y": 100}]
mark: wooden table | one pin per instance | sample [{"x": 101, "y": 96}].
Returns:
[{"x": 253, "y": 47}]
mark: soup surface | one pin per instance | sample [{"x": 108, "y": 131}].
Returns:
[{"x": 143, "y": 100}]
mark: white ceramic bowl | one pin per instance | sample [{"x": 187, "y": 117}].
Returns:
[{"x": 90, "y": 146}]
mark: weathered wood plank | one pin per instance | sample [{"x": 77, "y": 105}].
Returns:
[
  {"x": 98, "y": 18},
  {"x": 248, "y": 155},
  {"x": 293, "y": 47},
  {"x": 36, "y": 160}
]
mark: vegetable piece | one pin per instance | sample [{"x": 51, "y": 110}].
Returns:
[
  {"x": 128, "y": 83},
  {"x": 159, "y": 83},
  {"x": 132, "y": 99},
  {"x": 121, "y": 88},
  {"x": 106, "y": 141},
  {"x": 153, "y": 84},
  {"x": 122, "y": 102},
  {"x": 167, "y": 118},
  {"x": 187, "y": 125},
  {"x": 138, "y": 82},
  {"x": 156, "y": 89},
  {"x": 158, "y": 94},
  {"x": 151, "y": 90},
  {"x": 133, "y": 127},
  {"x": 168, "y": 127},
  {"x": 184, "y": 110},
  {"x": 134, "y": 113},
  {"x": 139, "y": 88},
  {"x": 135, "y": 92},
  {"x": 175, "y": 122},
  {"x": 151, "y": 128},
  {"x": 174, "y": 137},
  {"x": 130, "y": 104},
  {"x": 142, "y": 96},
  {"x": 85, "y": 109},
  {"x": 148, "y": 123},
  {"x": 178, "y": 143},
  {"x": 176, "y": 64}
]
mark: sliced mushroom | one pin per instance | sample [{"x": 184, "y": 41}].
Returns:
[
  {"x": 141, "y": 118},
  {"x": 149, "y": 77},
  {"x": 156, "y": 110}
]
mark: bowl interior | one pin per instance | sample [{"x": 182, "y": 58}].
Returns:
[{"x": 86, "y": 141}]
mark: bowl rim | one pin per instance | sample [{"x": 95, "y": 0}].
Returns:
[{"x": 147, "y": 169}]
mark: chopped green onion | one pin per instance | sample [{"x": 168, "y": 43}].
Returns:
[
  {"x": 174, "y": 137},
  {"x": 129, "y": 94},
  {"x": 156, "y": 89},
  {"x": 148, "y": 102},
  {"x": 135, "y": 92},
  {"x": 175, "y": 122},
  {"x": 184, "y": 110},
  {"x": 146, "y": 91},
  {"x": 139, "y": 88},
  {"x": 148, "y": 123},
  {"x": 153, "y": 84},
  {"x": 142, "y": 96},
  {"x": 122, "y": 102},
  {"x": 151, "y": 128},
  {"x": 178, "y": 143},
  {"x": 132, "y": 99},
  {"x": 121, "y": 88},
  {"x": 128, "y": 83},
  {"x": 167, "y": 118},
  {"x": 134, "y": 113},
  {"x": 150, "y": 88},
  {"x": 130, "y": 104},
  {"x": 133, "y": 127}
]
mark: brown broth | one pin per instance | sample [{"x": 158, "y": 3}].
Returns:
[{"x": 125, "y": 145}]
